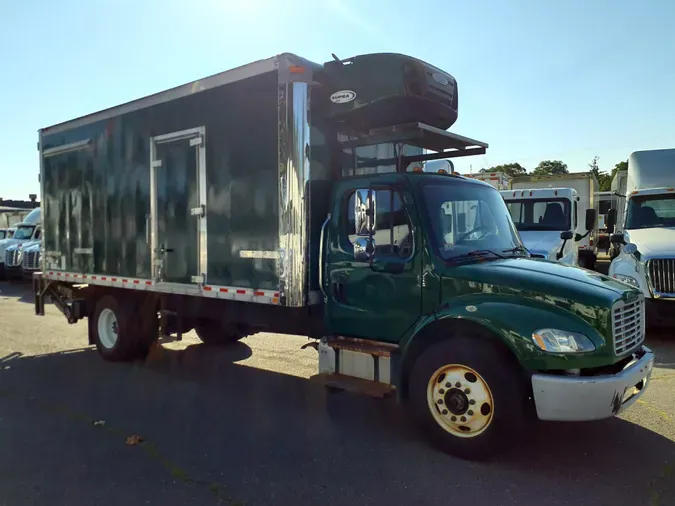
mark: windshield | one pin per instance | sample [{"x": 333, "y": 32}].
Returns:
[
  {"x": 23, "y": 232},
  {"x": 651, "y": 211},
  {"x": 540, "y": 214},
  {"x": 466, "y": 217}
]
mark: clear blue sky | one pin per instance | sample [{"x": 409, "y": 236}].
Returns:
[{"x": 538, "y": 79}]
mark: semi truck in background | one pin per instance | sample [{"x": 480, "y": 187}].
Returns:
[
  {"x": 646, "y": 232},
  {"x": 26, "y": 233},
  {"x": 556, "y": 216},
  {"x": 286, "y": 196}
]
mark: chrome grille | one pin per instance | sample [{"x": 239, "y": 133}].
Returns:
[
  {"x": 31, "y": 260},
  {"x": 662, "y": 276},
  {"x": 628, "y": 325},
  {"x": 12, "y": 258}
]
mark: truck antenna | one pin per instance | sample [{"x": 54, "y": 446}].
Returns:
[{"x": 336, "y": 58}]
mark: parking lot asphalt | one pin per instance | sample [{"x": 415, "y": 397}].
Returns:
[{"x": 242, "y": 425}]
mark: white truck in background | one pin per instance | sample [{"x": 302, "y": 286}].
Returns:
[
  {"x": 498, "y": 180},
  {"x": 556, "y": 216},
  {"x": 646, "y": 232},
  {"x": 28, "y": 231}
]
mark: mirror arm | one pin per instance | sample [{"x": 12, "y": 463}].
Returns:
[{"x": 559, "y": 255}]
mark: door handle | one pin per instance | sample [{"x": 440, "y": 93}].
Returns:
[{"x": 338, "y": 292}]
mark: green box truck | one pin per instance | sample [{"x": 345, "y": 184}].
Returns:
[{"x": 292, "y": 197}]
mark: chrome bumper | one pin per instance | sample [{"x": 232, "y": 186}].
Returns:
[{"x": 579, "y": 398}]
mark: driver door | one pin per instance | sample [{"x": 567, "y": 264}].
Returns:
[{"x": 379, "y": 298}]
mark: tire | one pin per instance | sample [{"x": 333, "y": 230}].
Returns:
[
  {"x": 119, "y": 331},
  {"x": 212, "y": 333},
  {"x": 500, "y": 414}
]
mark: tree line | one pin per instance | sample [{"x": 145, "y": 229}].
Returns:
[{"x": 552, "y": 167}]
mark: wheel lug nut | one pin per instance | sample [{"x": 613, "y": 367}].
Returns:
[
  {"x": 458, "y": 384},
  {"x": 454, "y": 418},
  {"x": 440, "y": 401},
  {"x": 467, "y": 391},
  {"x": 472, "y": 402},
  {"x": 463, "y": 419},
  {"x": 445, "y": 412},
  {"x": 470, "y": 413},
  {"x": 441, "y": 391},
  {"x": 448, "y": 385}
]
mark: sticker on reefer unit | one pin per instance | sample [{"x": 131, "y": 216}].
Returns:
[{"x": 342, "y": 96}]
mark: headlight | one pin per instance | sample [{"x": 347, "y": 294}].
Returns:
[
  {"x": 562, "y": 341},
  {"x": 627, "y": 279}
]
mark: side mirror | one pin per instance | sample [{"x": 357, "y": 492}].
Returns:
[
  {"x": 617, "y": 239},
  {"x": 364, "y": 213},
  {"x": 363, "y": 249},
  {"x": 610, "y": 220},
  {"x": 591, "y": 218},
  {"x": 566, "y": 235},
  {"x": 630, "y": 249}
]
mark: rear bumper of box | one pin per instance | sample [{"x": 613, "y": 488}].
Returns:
[{"x": 584, "y": 398}]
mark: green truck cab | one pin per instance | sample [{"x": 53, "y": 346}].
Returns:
[{"x": 316, "y": 214}]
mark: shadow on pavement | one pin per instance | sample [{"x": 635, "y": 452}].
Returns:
[
  {"x": 219, "y": 432},
  {"x": 21, "y": 291}
]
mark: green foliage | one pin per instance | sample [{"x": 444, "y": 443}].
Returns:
[
  {"x": 510, "y": 169},
  {"x": 550, "y": 167}
]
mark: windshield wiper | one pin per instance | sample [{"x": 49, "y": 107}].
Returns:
[
  {"x": 517, "y": 249},
  {"x": 476, "y": 253}
]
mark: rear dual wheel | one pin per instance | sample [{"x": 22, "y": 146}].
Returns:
[
  {"x": 469, "y": 397},
  {"x": 122, "y": 330}
]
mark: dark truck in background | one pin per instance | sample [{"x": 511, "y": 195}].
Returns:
[{"x": 290, "y": 197}]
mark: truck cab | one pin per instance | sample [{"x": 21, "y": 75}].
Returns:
[
  {"x": 645, "y": 241},
  {"x": 26, "y": 233},
  {"x": 550, "y": 222}
]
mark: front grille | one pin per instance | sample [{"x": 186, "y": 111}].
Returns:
[
  {"x": 628, "y": 325},
  {"x": 662, "y": 276},
  {"x": 31, "y": 261},
  {"x": 12, "y": 258}
]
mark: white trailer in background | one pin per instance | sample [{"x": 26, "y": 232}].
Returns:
[
  {"x": 606, "y": 200},
  {"x": 556, "y": 216},
  {"x": 497, "y": 180},
  {"x": 646, "y": 232}
]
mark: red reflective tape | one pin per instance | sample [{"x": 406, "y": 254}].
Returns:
[
  {"x": 136, "y": 281},
  {"x": 74, "y": 275},
  {"x": 84, "y": 276},
  {"x": 207, "y": 288},
  {"x": 241, "y": 291},
  {"x": 276, "y": 294},
  {"x": 113, "y": 279},
  {"x": 67, "y": 275},
  {"x": 125, "y": 281},
  {"x": 51, "y": 273},
  {"x": 148, "y": 282},
  {"x": 58, "y": 273},
  {"x": 259, "y": 294},
  {"x": 93, "y": 277},
  {"x": 103, "y": 278},
  {"x": 224, "y": 290}
]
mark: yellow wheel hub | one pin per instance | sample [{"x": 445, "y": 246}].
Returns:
[{"x": 460, "y": 400}]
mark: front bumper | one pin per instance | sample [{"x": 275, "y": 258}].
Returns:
[
  {"x": 583, "y": 398},
  {"x": 13, "y": 272}
]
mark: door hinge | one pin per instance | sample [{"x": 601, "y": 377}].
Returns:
[
  {"x": 198, "y": 211},
  {"x": 196, "y": 141},
  {"x": 198, "y": 279}
]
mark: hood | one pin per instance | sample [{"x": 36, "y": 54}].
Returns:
[
  {"x": 542, "y": 242},
  {"x": 32, "y": 245},
  {"x": 653, "y": 242},
  {"x": 553, "y": 282}
]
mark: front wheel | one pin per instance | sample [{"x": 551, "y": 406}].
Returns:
[{"x": 469, "y": 397}]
